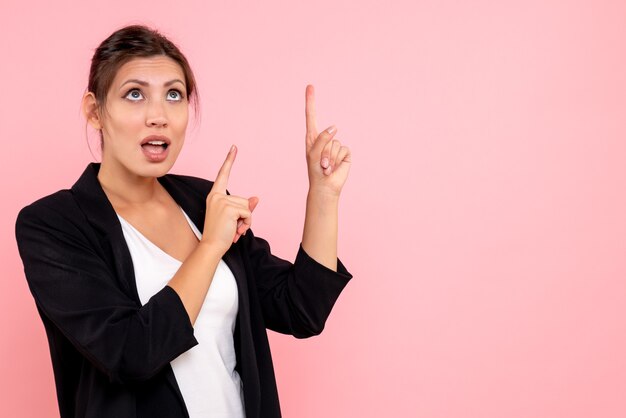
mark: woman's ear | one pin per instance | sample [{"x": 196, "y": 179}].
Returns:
[{"x": 90, "y": 110}]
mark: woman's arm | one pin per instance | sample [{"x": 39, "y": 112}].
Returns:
[
  {"x": 295, "y": 298},
  {"x": 319, "y": 238},
  {"x": 227, "y": 218},
  {"x": 328, "y": 165}
]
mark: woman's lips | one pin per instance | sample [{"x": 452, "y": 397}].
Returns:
[
  {"x": 155, "y": 153},
  {"x": 159, "y": 138}
]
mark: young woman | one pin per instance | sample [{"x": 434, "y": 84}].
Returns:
[{"x": 154, "y": 292}]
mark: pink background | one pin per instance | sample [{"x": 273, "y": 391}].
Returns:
[{"x": 483, "y": 220}]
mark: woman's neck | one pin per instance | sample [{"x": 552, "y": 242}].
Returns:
[{"x": 127, "y": 189}]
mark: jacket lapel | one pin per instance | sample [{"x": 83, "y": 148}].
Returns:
[{"x": 99, "y": 212}]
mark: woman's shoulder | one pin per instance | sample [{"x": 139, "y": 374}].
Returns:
[
  {"x": 60, "y": 202},
  {"x": 52, "y": 215}
]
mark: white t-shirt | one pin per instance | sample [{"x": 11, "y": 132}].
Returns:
[{"x": 206, "y": 375}]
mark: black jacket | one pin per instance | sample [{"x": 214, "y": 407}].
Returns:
[{"x": 111, "y": 355}]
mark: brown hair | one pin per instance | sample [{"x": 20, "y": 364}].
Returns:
[{"x": 125, "y": 44}]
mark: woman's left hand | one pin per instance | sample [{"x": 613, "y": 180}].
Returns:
[{"x": 327, "y": 159}]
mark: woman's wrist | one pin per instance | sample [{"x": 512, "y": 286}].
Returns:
[
  {"x": 211, "y": 249},
  {"x": 323, "y": 196}
]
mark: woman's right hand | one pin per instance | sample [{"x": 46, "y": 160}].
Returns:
[{"x": 227, "y": 217}]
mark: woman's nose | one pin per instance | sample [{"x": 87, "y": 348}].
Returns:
[{"x": 156, "y": 115}]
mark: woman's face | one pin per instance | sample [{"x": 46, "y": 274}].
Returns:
[{"x": 147, "y": 97}]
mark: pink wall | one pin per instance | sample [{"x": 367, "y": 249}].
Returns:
[{"x": 483, "y": 220}]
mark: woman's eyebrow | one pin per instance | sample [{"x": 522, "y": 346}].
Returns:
[{"x": 145, "y": 83}]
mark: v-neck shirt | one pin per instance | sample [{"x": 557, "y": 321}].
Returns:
[{"x": 206, "y": 375}]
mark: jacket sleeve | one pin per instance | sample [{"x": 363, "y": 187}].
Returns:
[
  {"x": 296, "y": 298},
  {"x": 76, "y": 290}
]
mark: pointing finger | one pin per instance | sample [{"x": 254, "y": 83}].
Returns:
[
  {"x": 221, "y": 181},
  {"x": 309, "y": 110}
]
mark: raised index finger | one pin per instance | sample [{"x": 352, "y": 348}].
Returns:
[
  {"x": 219, "y": 185},
  {"x": 309, "y": 110}
]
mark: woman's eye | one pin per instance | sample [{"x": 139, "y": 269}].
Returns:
[
  {"x": 134, "y": 94},
  {"x": 176, "y": 96}
]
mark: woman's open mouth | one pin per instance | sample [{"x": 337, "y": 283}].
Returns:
[
  {"x": 155, "y": 147},
  {"x": 155, "y": 151}
]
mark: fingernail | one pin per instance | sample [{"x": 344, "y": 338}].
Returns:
[
  {"x": 331, "y": 129},
  {"x": 325, "y": 162},
  {"x": 231, "y": 149}
]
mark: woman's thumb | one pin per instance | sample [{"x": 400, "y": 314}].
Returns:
[{"x": 252, "y": 202}]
